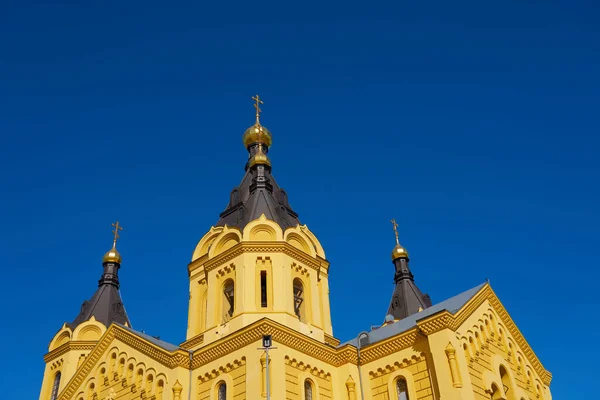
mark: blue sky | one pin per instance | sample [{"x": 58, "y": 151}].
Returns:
[{"x": 475, "y": 125}]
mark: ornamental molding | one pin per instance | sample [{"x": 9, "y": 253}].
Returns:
[
  {"x": 264, "y": 247},
  {"x": 225, "y": 270},
  {"x": 436, "y": 323},
  {"x": 302, "y": 366},
  {"x": 235, "y": 364},
  {"x": 193, "y": 342},
  {"x": 543, "y": 373},
  {"x": 72, "y": 345},
  {"x": 254, "y": 332},
  {"x": 330, "y": 340},
  {"x": 396, "y": 366},
  {"x": 300, "y": 269},
  {"x": 162, "y": 356},
  {"x": 86, "y": 367},
  {"x": 389, "y": 346},
  {"x": 454, "y": 321}
]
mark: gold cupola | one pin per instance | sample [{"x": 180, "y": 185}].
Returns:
[
  {"x": 259, "y": 158},
  {"x": 113, "y": 255},
  {"x": 257, "y": 133},
  {"x": 399, "y": 251}
]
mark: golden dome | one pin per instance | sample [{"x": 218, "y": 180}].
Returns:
[
  {"x": 398, "y": 252},
  {"x": 259, "y": 158},
  {"x": 257, "y": 134},
  {"x": 112, "y": 256}
]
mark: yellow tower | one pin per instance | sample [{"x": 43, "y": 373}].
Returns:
[
  {"x": 258, "y": 261},
  {"x": 258, "y": 271}
]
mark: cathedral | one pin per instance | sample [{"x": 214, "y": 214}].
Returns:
[{"x": 259, "y": 274}]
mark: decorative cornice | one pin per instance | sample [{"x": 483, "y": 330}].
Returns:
[
  {"x": 396, "y": 366},
  {"x": 544, "y": 374},
  {"x": 86, "y": 367},
  {"x": 330, "y": 340},
  {"x": 435, "y": 322},
  {"x": 445, "y": 319},
  {"x": 71, "y": 345},
  {"x": 389, "y": 346},
  {"x": 193, "y": 342},
  {"x": 264, "y": 247},
  {"x": 222, "y": 370},
  {"x": 301, "y": 366},
  {"x": 254, "y": 332},
  {"x": 166, "y": 358}
]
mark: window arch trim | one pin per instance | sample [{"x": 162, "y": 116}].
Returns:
[
  {"x": 224, "y": 378},
  {"x": 410, "y": 384},
  {"x": 302, "y": 378},
  {"x": 54, "y": 390}
]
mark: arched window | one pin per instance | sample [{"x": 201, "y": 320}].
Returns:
[
  {"x": 228, "y": 300},
  {"x": 160, "y": 388},
  {"x": 401, "y": 389},
  {"x": 505, "y": 379},
  {"x": 299, "y": 308},
  {"x": 308, "y": 391},
  {"x": 222, "y": 392},
  {"x": 495, "y": 393},
  {"x": 55, "y": 386}
]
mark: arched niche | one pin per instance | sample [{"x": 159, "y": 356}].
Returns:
[
  {"x": 90, "y": 330},
  {"x": 262, "y": 230},
  {"x": 205, "y": 243},
  {"x": 228, "y": 238},
  {"x": 61, "y": 337},
  {"x": 298, "y": 240},
  {"x": 314, "y": 241}
]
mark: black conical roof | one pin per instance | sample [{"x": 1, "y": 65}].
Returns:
[
  {"x": 258, "y": 194},
  {"x": 407, "y": 299},
  {"x": 106, "y": 305}
]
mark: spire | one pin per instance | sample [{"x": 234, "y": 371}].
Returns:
[
  {"x": 106, "y": 305},
  {"x": 407, "y": 299},
  {"x": 258, "y": 193}
]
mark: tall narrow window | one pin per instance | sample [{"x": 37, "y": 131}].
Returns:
[
  {"x": 228, "y": 300},
  {"x": 55, "y": 385},
  {"x": 299, "y": 299},
  {"x": 263, "y": 288},
  {"x": 308, "y": 394},
  {"x": 222, "y": 391},
  {"x": 401, "y": 389}
]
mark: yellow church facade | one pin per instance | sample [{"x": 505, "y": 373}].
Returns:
[{"x": 260, "y": 272}]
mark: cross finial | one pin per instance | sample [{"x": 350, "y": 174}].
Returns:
[
  {"x": 116, "y": 232},
  {"x": 395, "y": 225},
  {"x": 257, "y": 104}
]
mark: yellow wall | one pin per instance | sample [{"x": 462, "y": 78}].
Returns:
[{"x": 446, "y": 356}]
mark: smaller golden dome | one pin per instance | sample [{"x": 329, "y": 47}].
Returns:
[
  {"x": 259, "y": 158},
  {"x": 257, "y": 134},
  {"x": 399, "y": 252},
  {"x": 112, "y": 256}
]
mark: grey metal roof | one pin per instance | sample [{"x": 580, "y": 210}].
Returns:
[
  {"x": 160, "y": 343},
  {"x": 452, "y": 305}
]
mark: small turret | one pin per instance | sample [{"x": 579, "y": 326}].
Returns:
[{"x": 407, "y": 299}]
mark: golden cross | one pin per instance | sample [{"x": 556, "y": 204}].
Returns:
[
  {"x": 116, "y": 232},
  {"x": 257, "y": 106},
  {"x": 395, "y": 225}
]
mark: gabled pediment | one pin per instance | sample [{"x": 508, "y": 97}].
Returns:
[
  {"x": 113, "y": 359},
  {"x": 455, "y": 320}
]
